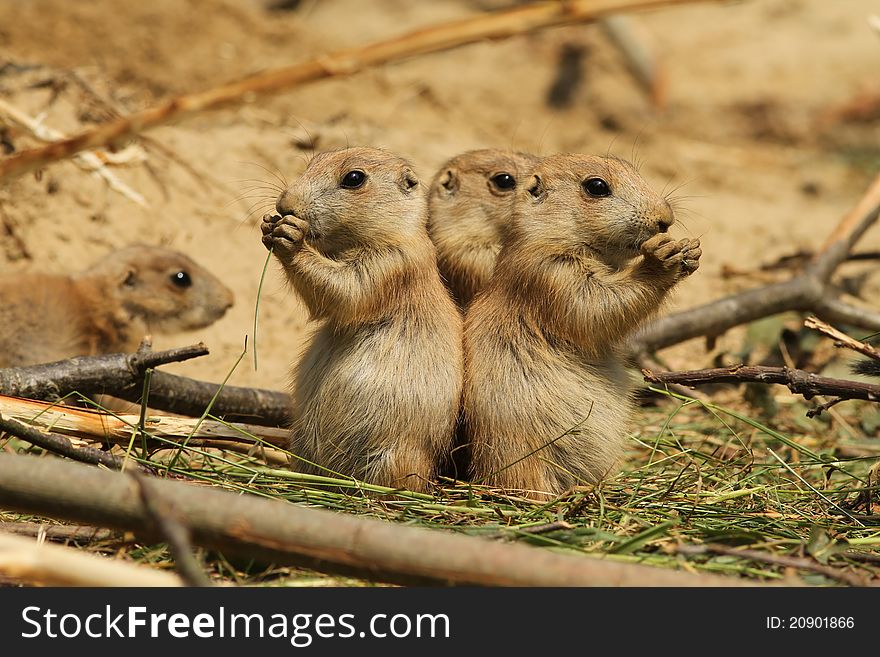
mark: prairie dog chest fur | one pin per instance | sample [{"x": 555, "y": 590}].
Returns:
[
  {"x": 377, "y": 391},
  {"x": 586, "y": 259},
  {"x": 470, "y": 203},
  {"x": 107, "y": 308}
]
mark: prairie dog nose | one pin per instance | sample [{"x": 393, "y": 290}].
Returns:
[
  {"x": 289, "y": 203},
  {"x": 665, "y": 217}
]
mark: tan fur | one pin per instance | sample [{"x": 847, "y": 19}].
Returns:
[
  {"x": 108, "y": 308},
  {"x": 377, "y": 391},
  {"x": 546, "y": 397},
  {"x": 468, "y": 214}
]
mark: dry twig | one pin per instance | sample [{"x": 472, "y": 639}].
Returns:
[
  {"x": 492, "y": 25},
  {"x": 799, "y": 382},
  {"x": 838, "y": 574}
]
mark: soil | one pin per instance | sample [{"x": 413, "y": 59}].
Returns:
[{"x": 752, "y": 132}]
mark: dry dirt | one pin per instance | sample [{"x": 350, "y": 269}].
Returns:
[{"x": 745, "y": 131}]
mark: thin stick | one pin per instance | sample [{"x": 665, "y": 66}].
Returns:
[
  {"x": 60, "y": 445},
  {"x": 491, "y": 25},
  {"x": 89, "y": 161},
  {"x": 277, "y": 532},
  {"x": 175, "y": 532},
  {"x": 840, "y": 338},
  {"x": 95, "y": 426},
  {"x": 54, "y": 565},
  {"x": 802, "y": 383},
  {"x": 776, "y": 559},
  {"x": 61, "y": 533}
]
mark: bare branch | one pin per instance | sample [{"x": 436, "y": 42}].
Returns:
[
  {"x": 492, "y": 25},
  {"x": 277, "y": 532},
  {"x": 806, "y": 384},
  {"x": 121, "y": 376},
  {"x": 809, "y": 292}
]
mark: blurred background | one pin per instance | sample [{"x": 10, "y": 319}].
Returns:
[{"x": 765, "y": 117}]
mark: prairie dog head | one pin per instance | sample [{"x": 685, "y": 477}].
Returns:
[
  {"x": 476, "y": 191},
  {"x": 356, "y": 196},
  {"x": 163, "y": 287},
  {"x": 585, "y": 201}
]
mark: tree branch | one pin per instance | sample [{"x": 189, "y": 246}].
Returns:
[
  {"x": 281, "y": 533},
  {"x": 810, "y": 291},
  {"x": 806, "y": 384},
  {"x": 492, "y": 25},
  {"x": 121, "y": 375}
]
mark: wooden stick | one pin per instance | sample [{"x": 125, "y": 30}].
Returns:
[
  {"x": 799, "y": 382},
  {"x": 54, "y": 565},
  {"x": 491, "y": 25},
  {"x": 277, "y": 532}
]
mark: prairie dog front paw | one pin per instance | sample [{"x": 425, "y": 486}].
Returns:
[{"x": 284, "y": 235}]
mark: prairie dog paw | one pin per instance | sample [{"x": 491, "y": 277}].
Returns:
[
  {"x": 690, "y": 258},
  {"x": 677, "y": 258},
  {"x": 284, "y": 235}
]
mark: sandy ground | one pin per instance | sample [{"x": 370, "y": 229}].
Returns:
[{"x": 745, "y": 132}]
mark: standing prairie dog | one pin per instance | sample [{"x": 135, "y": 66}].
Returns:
[
  {"x": 105, "y": 309},
  {"x": 469, "y": 206},
  {"x": 585, "y": 261},
  {"x": 377, "y": 392}
]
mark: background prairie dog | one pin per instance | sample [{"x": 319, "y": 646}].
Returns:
[
  {"x": 584, "y": 263},
  {"x": 108, "y": 308},
  {"x": 377, "y": 392},
  {"x": 469, "y": 206}
]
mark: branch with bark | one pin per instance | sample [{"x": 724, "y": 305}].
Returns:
[
  {"x": 122, "y": 376},
  {"x": 273, "y": 531},
  {"x": 810, "y": 291},
  {"x": 806, "y": 384}
]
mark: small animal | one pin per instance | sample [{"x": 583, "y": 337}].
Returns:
[
  {"x": 470, "y": 203},
  {"x": 377, "y": 392},
  {"x": 107, "y": 308},
  {"x": 586, "y": 259}
]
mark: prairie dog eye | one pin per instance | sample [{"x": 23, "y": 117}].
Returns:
[
  {"x": 596, "y": 187},
  {"x": 353, "y": 179},
  {"x": 181, "y": 279},
  {"x": 503, "y": 181}
]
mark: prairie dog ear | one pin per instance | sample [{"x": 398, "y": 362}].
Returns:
[
  {"x": 449, "y": 181},
  {"x": 535, "y": 187},
  {"x": 408, "y": 181}
]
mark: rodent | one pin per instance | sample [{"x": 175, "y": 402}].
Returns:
[
  {"x": 108, "y": 308},
  {"x": 586, "y": 260},
  {"x": 376, "y": 393},
  {"x": 469, "y": 205}
]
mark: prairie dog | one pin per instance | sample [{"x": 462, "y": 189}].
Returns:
[
  {"x": 585, "y": 261},
  {"x": 377, "y": 392},
  {"x": 469, "y": 206},
  {"x": 108, "y": 308}
]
